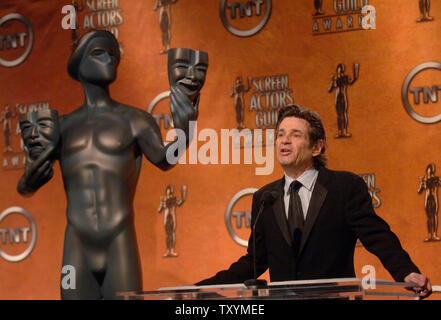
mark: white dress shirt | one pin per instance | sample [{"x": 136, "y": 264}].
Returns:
[{"x": 307, "y": 179}]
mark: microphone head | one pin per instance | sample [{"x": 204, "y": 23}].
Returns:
[{"x": 268, "y": 197}]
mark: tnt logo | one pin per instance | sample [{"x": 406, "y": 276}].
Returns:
[
  {"x": 238, "y": 216},
  {"x": 16, "y": 39},
  {"x": 420, "y": 92},
  {"x": 245, "y": 18},
  {"x": 245, "y": 8},
  {"x": 18, "y": 234}
]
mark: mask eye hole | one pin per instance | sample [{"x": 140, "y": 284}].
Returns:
[{"x": 98, "y": 52}]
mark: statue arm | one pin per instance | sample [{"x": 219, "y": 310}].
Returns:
[
  {"x": 162, "y": 204},
  {"x": 149, "y": 136},
  {"x": 356, "y": 70},
  {"x": 422, "y": 185},
  {"x": 332, "y": 84},
  {"x": 250, "y": 79},
  {"x": 156, "y": 7},
  {"x": 150, "y": 141},
  {"x": 180, "y": 202}
]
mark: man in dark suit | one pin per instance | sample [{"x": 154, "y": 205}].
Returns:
[{"x": 311, "y": 218}]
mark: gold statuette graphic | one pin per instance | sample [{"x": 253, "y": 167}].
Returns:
[
  {"x": 430, "y": 184},
  {"x": 165, "y": 21},
  {"x": 340, "y": 82},
  {"x": 237, "y": 92},
  {"x": 168, "y": 204},
  {"x": 6, "y": 119},
  {"x": 79, "y": 6},
  {"x": 425, "y": 11}
]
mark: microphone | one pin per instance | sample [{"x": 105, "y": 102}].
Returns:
[{"x": 268, "y": 198}]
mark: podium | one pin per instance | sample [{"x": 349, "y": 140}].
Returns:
[{"x": 341, "y": 288}]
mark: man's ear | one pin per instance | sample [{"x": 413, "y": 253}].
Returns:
[{"x": 318, "y": 147}]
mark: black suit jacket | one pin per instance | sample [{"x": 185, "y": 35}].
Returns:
[{"x": 340, "y": 211}]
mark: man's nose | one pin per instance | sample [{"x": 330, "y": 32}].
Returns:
[{"x": 285, "y": 139}]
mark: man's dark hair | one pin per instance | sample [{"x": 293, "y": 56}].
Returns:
[{"x": 315, "y": 129}]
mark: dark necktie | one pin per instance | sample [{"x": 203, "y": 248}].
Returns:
[{"x": 295, "y": 213}]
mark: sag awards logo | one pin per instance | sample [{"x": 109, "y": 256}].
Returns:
[
  {"x": 16, "y": 40},
  {"x": 13, "y": 149},
  {"x": 245, "y": 18},
  {"x": 267, "y": 95},
  {"x": 18, "y": 234},
  {"x": 419, "y": 93},
  {"x": 98, "y": 15},
  {"x": 344, "y": 16}
]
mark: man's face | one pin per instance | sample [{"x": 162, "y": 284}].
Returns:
[
  {"x": 293, "y": 146},
  {"x": 39, "y": 129},
  {"x": 99, "y": 62},
  {"x": 187, "y": 69}
]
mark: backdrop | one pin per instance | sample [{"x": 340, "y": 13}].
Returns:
[{"x": 282, "y": 51}]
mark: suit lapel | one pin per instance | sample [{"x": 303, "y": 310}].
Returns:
[
  {"x": 279, "y": 212},
  {"x": 318, "y": 196}
]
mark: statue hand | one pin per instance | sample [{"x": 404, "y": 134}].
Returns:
[
  {"x": 182, "y": 109},
  {"x": 33, "y": 179},
  {"x": 37, "y": 173}
]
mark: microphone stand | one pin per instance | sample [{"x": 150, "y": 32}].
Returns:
[{"x": 256, "y": 283}]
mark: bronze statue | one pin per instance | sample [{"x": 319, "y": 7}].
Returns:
[
  {"x": 340, "y": 82},
  {"x": 165, "y": 21},
  {"x": 425, "y": 11},
  {"x": 430, "y": 184},
  {"x": 237, "y": 92},
  {"x": 168, "y": 204},
  {"x": 100, "y": 149},
  {"x": 6, "y": 118}
]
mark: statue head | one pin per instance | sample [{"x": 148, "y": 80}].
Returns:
[
  {"x": 186, "y": 70},
  {"x": 340, "y": 69},
  {"x": 39, "y": 129},
  {"x": 95, "y": 58},
  {"x": 430, "y": 170},
  {"x": 169, "y": 191}
]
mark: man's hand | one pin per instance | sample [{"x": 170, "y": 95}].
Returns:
[{"x": 424, "y": 288}]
